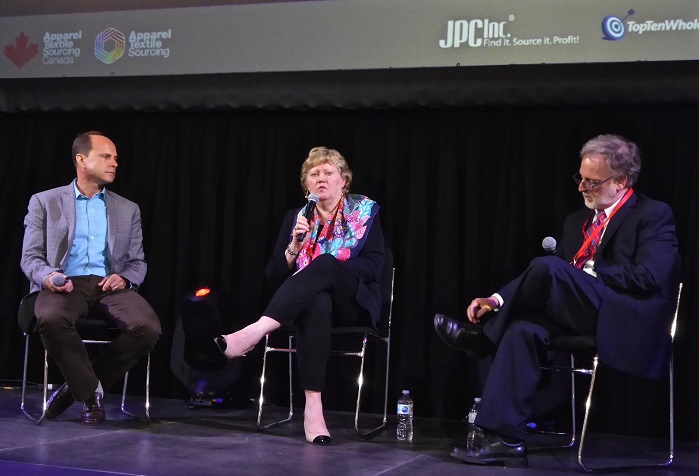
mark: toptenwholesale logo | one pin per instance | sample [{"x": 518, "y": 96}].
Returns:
[
  {"x": 614, "y": 28},
  {"x": 666, "y": 25}
]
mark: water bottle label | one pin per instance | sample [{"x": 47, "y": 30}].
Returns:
[
  {"x": 405, "y": 409},
  {"x": 472, "y": 417}
]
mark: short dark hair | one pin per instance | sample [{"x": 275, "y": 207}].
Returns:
[
  {"x": 83, "y": 143},
  {"x": 622, "y": 155}
]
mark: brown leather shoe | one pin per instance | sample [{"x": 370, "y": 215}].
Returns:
[
  {"x": 59, "y": 402},
  {"x": 93, "y": 410}
]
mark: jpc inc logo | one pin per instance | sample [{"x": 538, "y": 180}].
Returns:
[
  {"x": 613, "y": 27},
  {"x": 110, "y": 45}
]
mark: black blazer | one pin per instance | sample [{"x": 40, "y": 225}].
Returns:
[
  {"x": 366, "y": 266},
  {"x": 639, "y": 263}
]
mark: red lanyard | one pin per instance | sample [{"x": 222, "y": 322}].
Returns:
[{"x": 593, "y": 236}]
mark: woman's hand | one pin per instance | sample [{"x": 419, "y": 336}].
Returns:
[
  {"x": 294, "y": 248},
  {"x": 300, "y": 229}
]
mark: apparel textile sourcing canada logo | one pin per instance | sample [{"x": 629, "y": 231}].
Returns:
[
  {"x": 613, "y": 27},
  {"x": 110, "y": 45},
  {"x": 22, "y": 51}
]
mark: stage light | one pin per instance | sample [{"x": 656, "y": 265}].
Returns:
[
  {"x": 195, "y": 360},
  {"x": 201, "y": 292}
]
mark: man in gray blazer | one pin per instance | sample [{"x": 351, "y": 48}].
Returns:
[{"x": 82, "y": 249}]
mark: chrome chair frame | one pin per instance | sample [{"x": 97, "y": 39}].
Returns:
[
  {"x": 573, "y": 370},
  {"x": 38, "y": 419},
  {"x": 588, "y": 404},
  {"x": 367, "y": 334}
]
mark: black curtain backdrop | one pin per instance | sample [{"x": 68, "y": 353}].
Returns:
[{"x": 466, "y": 195}]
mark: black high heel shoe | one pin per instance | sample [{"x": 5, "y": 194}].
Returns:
[
  {"x": 222, "y": 345},
  {"x": 322, "y": 440}
]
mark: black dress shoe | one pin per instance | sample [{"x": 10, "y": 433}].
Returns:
[
  {"x": 489, "y": 448},
  {"x": 93, "y": 410},
  {"x": 59, "y": 402},
  {"x": 462, "y": 336}
]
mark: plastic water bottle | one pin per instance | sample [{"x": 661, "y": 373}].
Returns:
[
  {"x": 404, "y": 431},
  {"x": 472, "y": 422}
]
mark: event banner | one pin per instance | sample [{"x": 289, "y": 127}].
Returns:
[{"x": 346, "y": 34}]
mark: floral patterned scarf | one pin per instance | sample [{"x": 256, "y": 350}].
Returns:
[{"x": 344, "y": 234}]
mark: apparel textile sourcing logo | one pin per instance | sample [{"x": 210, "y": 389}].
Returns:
[
  {"x": 110, "y": 45},
  {"x": 613, "y": 27}
]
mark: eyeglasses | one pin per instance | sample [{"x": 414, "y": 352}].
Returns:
[{"x": 588, "y": 184}]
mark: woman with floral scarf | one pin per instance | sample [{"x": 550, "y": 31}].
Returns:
[{"x": 326, "y": 273}]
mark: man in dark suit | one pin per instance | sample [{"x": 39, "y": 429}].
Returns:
[
  {"x": 614, "y": 275},
  {"x": 82, "y": 249}
]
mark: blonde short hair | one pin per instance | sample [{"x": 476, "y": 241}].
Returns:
[{"x": 322, "y": 155}]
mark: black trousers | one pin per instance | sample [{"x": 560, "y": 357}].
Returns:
[
  {"x": 310, "y": 302},
  {"x": 57, "y": 314},
  {"x": 549, "y": 298}
]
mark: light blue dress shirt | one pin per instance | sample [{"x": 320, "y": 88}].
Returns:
[{"x": 88, "y": 255}]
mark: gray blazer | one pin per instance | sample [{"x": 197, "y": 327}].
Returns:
[{"x": 49, "y": 230}]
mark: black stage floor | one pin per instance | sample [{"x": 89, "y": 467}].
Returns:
[{"x": 211, "y": 441}]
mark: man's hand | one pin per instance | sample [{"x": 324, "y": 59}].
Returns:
[
  {"x": 479, "y": 307},
  {"x": 112, "y": 283},
  {"x": 66, "y": 288}
]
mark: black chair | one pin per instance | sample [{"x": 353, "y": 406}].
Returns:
[
  {"x": 587, "y": 347},
  {"x": 96, "y": 329},
  {"x": 361, "y": 336}
]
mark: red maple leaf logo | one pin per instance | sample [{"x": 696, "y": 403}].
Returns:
[{"x": 22, "y": 51}]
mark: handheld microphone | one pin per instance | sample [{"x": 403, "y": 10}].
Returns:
[
  {"x": 58, "y": 280},
  {"x": 310, "y": 210},
  {"x": 549, "y": 245}
]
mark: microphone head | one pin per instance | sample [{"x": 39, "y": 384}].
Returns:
[
  {"x": 58, "y": 280},
  {"x": 549, "y": 244},
  {"x": 312, "y": 197}
]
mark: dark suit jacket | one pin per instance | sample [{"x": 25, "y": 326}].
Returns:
[
  {"x": 49, "y": 230},
  {"x": 639, "y": 263},
  {"x": 366, "y": 266}
]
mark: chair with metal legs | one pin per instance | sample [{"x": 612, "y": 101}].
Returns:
[
  {"x": 578, "y": 347},
  {"x": 587, "y": 345},
  {"x": 93, "y": 330},
  {"x": 363, "y": 335}
]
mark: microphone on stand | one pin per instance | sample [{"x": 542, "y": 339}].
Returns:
[
  {"x": 310, "y": 209},
  {"x": 549, "y": 245}
]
